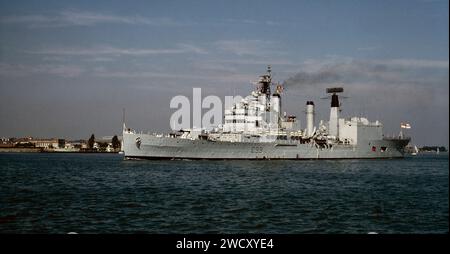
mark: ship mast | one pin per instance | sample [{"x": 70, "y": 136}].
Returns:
[
  {"x": 264, "y": 83},
  {"x": 123, "y": 119}
]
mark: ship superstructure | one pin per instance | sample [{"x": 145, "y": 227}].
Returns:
[{"x": 256, "y": 128}]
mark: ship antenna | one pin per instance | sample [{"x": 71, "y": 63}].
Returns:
[{"x": 123, "y": 119}]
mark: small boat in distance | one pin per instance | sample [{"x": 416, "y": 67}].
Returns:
[{"x": 416, "y": 151}]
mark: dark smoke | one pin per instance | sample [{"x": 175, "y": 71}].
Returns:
[
  {"x": 324, "y": 76},
  {"x": 351, "y": 72}
]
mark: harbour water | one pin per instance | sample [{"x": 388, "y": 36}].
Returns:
[{"x": 102, "y": 193}]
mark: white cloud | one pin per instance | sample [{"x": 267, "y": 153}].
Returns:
[
  {"x": 246, "y": 47},
  {"x": 252, "y": 22},
  {"x": 67, "y": 71},
  {"x": 84, "y": 18},
  {"x": 27, "y": 19},
  {"x": 253, "y": 61},
  {"x": 192, "y": 48},
  {"x": 210, "y": 77},
  {"x": 114, "y": 51},
  {"x": 369, "y": 48},
  {"x": 21, "y": 70},
  {"x": 100, "y": 59}
]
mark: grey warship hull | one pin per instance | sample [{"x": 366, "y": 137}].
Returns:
[
  {"x": 161, "y": 147},
  {"x": 254, "y": 128}
]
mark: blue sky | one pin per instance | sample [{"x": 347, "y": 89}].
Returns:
[{"x": 68, "y": 68}]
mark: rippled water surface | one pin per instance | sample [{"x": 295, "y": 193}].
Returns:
[{"x": 102, "y": 193}]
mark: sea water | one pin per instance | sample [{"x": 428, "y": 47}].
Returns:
[{"x": 102, "y": 193}]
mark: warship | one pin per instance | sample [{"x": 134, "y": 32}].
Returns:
[{"x": 256, "y": 129}]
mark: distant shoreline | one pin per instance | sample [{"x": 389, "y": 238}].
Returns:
[{"x": 40, "y": 150}]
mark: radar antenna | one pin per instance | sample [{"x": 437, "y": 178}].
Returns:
[{"x": 334, "y": 97}]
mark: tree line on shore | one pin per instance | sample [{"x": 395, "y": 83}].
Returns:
[
  {"x": 115, "y": 143},
  {"x": 91, "y": 145}
]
